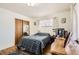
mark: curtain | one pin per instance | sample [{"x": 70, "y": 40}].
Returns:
[{"x": 75, "y": 21}]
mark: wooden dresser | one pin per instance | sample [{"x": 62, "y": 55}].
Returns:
[{"x": 57, "y": 47}]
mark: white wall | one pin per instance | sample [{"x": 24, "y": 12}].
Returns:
[
  {"x": 57, "y": 23},
  {"x": 68, "y": 24},
  {"x": 7, "y": 27},
  {"x": 33, "y": 28}
]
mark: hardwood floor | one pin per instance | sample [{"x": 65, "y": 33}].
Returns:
[
  {"x": 46, "y": 50},
  {"x": 12, "y": 49},
  {"x": 8, "y": 50}
]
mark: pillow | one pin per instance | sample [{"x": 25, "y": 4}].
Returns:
[{"x": 42, "y": 34}]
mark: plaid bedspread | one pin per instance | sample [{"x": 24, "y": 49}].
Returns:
[
  {"x": 33, "y": 46},
  {"x": 35, "y": 43}
]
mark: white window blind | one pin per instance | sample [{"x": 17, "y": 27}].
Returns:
[{"x": 46, "y": 23}]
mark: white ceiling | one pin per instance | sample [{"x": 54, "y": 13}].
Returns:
[{"x": 39, "y": 10}]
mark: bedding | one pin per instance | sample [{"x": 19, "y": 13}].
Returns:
[{"x": 35, "y": 43}]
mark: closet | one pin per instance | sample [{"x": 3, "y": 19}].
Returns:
[{"x": 21, "y": 27}]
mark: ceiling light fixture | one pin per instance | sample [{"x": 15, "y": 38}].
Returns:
[{"x": 31, "y": 4}]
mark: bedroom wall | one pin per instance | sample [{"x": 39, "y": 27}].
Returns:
[
  {"x": 68, "y": 24},
  {"x": 57, "y": 23},
  {"x": 33, "y": 28},
  {"x": 7, "y": 27}
]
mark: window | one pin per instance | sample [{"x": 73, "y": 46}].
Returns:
[{"x": 46, "y": 23}]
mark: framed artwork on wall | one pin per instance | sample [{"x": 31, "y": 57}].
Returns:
[
  {"x": 63, "y": 20},
  {"x": 35, "y": 23}
]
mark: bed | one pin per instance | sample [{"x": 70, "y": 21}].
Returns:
[{"x": 35, "y": 43}]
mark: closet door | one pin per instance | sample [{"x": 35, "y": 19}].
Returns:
[
  {"x": 26, "y": 27},
  {"x": 18, "y": 30}
]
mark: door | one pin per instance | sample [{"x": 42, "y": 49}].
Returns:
[
  {"x": 18, "y": 30},
  {"x": 26, "y": 28}
]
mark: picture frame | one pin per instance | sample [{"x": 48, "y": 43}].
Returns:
[
  {"x": 63, "y": 20},
  {"x": 35, "y": 23}
]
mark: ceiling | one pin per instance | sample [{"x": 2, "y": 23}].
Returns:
[{"x": 39, "y": 10}]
